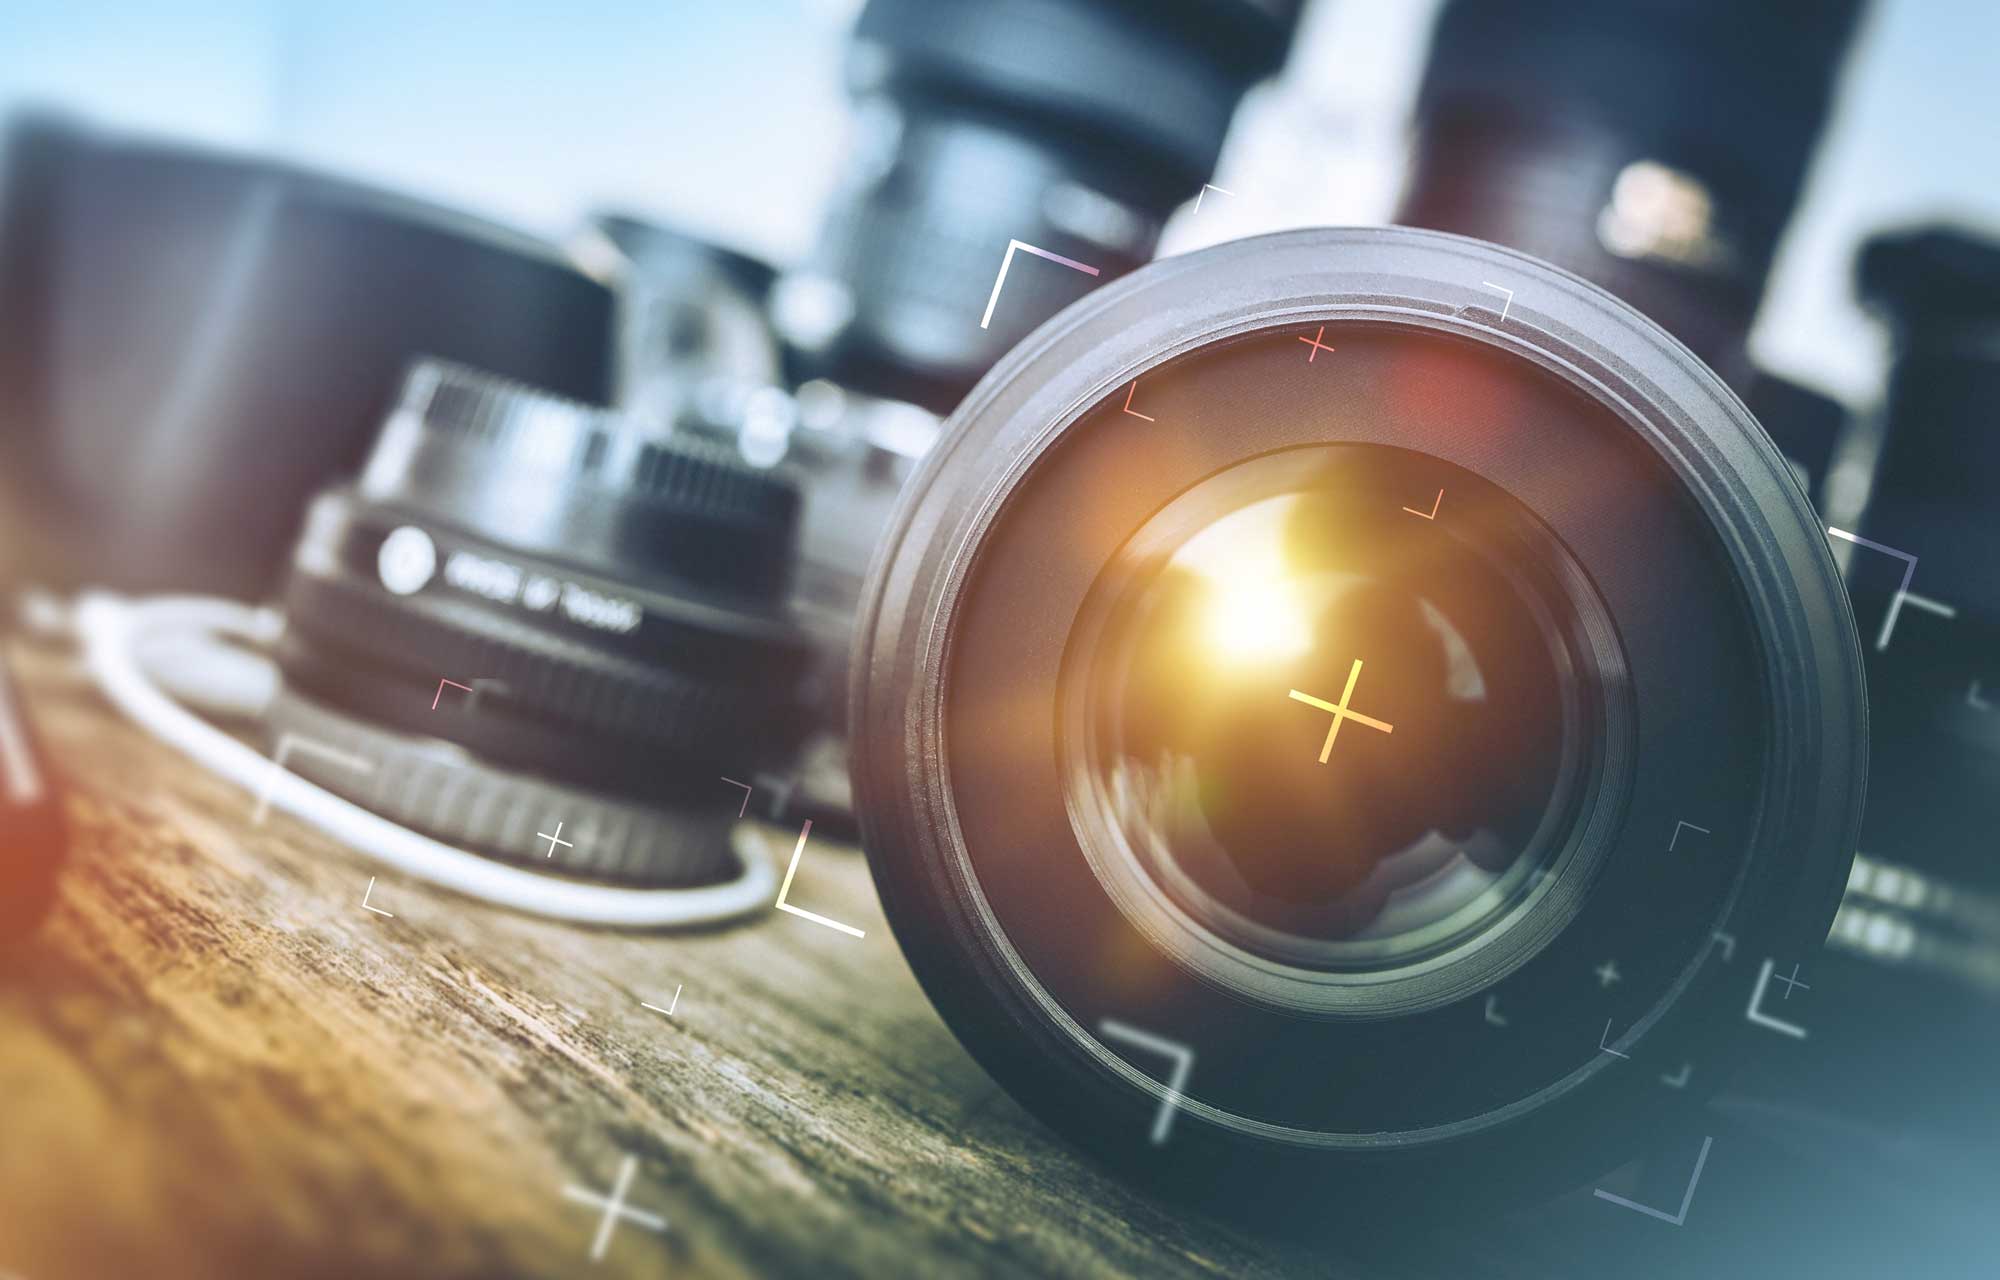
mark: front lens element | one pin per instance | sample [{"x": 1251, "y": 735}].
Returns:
[{"x": 1336, "y": 731}]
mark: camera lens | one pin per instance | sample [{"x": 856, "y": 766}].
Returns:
[
  {"x": 544, "y": 610},
  {"x": 1064, "y": 124},
  {"x": 1567, "y": 132},
  {"x": 1305, "y": 656},
  {"x": 692, "y": 323},
  {"x": 1912, "y": 952},
  {"x": 1417, "y": 839}
]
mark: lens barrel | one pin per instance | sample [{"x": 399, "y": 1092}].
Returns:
[
  {"x": 1570, "y": 133},
  {"x": 1312, "y": 550},
  {"x": 1072, "y": 125},
  {"x": 558, "y": 596}
]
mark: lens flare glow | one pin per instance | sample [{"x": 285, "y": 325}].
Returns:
[
  {"x": 1256, "y": 610},
  {"x": 1257, "y": 621}
]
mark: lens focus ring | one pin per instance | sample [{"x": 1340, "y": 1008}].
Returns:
[
  {"x": 526, "y": 669},
  {"x": 429, "y": 785}
]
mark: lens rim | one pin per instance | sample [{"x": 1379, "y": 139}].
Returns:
[{"x": 1793, "y": 867}]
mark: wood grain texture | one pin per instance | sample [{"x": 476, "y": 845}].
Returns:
[{"x": 214, "y": 1062}]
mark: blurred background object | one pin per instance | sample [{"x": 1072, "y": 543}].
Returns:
[
  {"x": 194, "y": 341},
  {"x": 692, "y": 338},
  {"x": 1923, "y": 901},
  {"x": 1076, "y": 126},
  {"x": 1576, "y": 134},
  {"x": 32, "y": 829},
  {"x": 533, "y": 118}
]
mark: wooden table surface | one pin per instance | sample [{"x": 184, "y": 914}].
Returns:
[{"x": 215, "y": 1062}]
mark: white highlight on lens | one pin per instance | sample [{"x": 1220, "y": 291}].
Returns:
[
  {"x": 1257, "y": 620},
  {"x": 1255, "y": 611},
  {"x": 407, "y": 560}
]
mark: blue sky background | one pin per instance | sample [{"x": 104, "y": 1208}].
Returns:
[{"x": 730, "y": 118}]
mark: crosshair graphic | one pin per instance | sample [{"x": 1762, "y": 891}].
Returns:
[
  {"x": 554, "y": 840},
  {"x": 1316, "y": 345},
  {"x": 1008, "y": 260},
  {"x": 786, "y": 888},
  {"x": 1675, "y": 1218},
  {"x": 369, "y": 893},
  {"x": 1180, "y": 1054},
  {"x": 614, "y": 1207},
  {"x": 1792, "y": 983},
  {"x": 1340, "y": 711},
  {"x": 1755, "y": 1010},
  {"x": 1508, "y": 305}
]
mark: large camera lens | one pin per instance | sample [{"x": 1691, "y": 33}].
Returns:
[{"x": 1378, "y": 691}]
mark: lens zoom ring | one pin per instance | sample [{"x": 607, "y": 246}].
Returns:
[
  {"x": 700, "y": 480},
  {"x": 535, "y": 673}
]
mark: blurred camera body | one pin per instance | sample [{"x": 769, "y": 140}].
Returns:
[{"x": 192, "y": 342}]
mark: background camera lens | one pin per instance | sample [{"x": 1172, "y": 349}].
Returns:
[
  {"x": 610, "y": 606},
  {"x": 1279, "y": 574},
  {"x": 1061, "y": 123},
  {"x": 1569, "y": 132}
]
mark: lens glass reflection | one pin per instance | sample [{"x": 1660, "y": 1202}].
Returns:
[{"x": 1331, "y": 725}]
